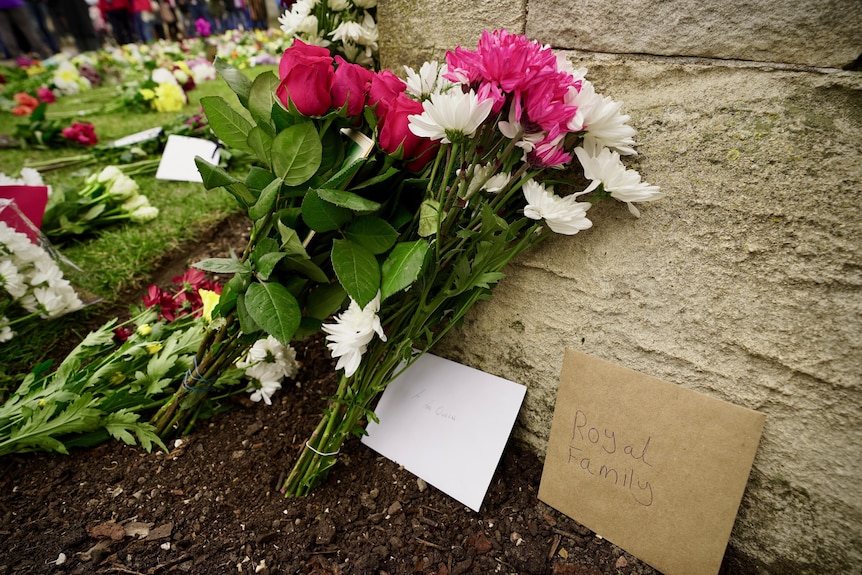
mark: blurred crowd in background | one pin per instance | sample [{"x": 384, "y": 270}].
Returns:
[{"x": 40, "y": 28}]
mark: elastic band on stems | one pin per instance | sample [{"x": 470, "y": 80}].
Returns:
[
  {"x": 196, "y": 376},
  {"x": 320, "y": 453}
]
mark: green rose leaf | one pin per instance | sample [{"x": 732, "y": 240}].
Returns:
[
  {"x": 348, "y": 200},
  {"x": 402, "y": 267},
  {"x": 238, "y": 82},
  {"x": 229, "y": 125},
  {"x": 357, "y": 270},
  {"x": 214, "y": 176},
  {"x": 290, "y": 242},
  {"x": 322, "y": 216},
  {"x": 296, "y": 153},
  {"x": 372, "y": 233},
  {"x": 262, "y": 97},
  {"x": 260, "y": 143},
  {"x": 274, "y": 309},
  {"x": 267, "y": 200},
  {"x": 258, "y": 178}
]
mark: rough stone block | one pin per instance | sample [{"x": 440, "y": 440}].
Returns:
[{"x": 825, "y": 33}]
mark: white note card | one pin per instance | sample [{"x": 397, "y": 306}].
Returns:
[
  {"x": 448, "y": 424},
  {"x": 178, "y": 158}
]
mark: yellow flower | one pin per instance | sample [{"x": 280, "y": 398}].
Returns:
[
  {"x": 42, "y": 403},
  {"x": 169, "y": 98},
  {"x": 35, "y": 69},
  {"x": 118, "y": 378},
  {"x": 209, "y": 299},
  {"x": 183, "y": 66},
  {"x": 147, "y": 94},
  {"x": 144, "y": 329},
  {"x": 154, "y": 348}
]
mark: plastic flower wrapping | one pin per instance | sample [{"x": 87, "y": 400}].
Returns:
[
  {"x": 34, "y": 282},
  {"x": 384, "y": 208}
]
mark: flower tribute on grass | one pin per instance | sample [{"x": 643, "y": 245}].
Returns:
[
  {"x": 398, "y": 202},
  {"x": 122, "y": 371}
]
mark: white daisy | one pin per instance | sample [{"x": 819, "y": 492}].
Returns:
[
  {"x": 351, "y": 333},
  {"x": 563, "y": 215},
  {"x": 622, "y": 184},
  {"x": 600, "y": 116},
  {"x": 450, "y": 117}
]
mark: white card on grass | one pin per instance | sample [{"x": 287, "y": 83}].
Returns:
[
  {"x": 448, "y": 424},
  {"x": 138, "y": 137},
  {"x": 178, "y": 158}
]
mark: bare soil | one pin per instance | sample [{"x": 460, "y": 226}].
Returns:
[{"x": 212, "y": 505}]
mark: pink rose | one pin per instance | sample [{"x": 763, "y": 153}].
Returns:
[
  {"x": 306, "y": 78},
  {"x": 385, "y": 86},
  {"x": 393, "y": 132},
  {"x": 45, "y": 95},
  {"x": 350, "y": 86}
]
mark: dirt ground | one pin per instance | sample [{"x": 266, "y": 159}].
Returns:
[{"x": 212, "y": 505}]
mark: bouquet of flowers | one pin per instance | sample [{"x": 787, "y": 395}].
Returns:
[
  {"x": 347, "y": 27},
  {"x": 107, "y": 197},
  {"x": 32, "y": 279},
  {"x": 454, "y": 176},
  {"x": 122, "y": 370}
]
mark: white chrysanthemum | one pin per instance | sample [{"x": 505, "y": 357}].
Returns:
[
  {"x": 45, "y": 271},
  {"x": 268, "y": 377},
  {"x": 162, "y": 76},
  {"x": 563, "y": 215},
  {"x": 600, "y": 116},
  {"x": 428, "y": 80},
  {"x": 622, "y": 184},
  {"x": 484, "y": 179},
  {"x": 450, "y": 116},
  {"x": 67, "y": 79},
  {"x": 338, "y": 5},
  {"x": 270, "y": 350},
  {"x": 6, "y": 332},
  {"x": 366, "y": 4},
  {"x": 351, "y": 333},
  {"x": 11, "y": 280},
  {"x": 31, "y": 177}
]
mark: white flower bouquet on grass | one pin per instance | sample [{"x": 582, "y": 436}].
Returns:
[{"x": 33, "y": 284}]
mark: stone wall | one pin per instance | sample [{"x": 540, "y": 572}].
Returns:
[{"x": 744, "y": 282}]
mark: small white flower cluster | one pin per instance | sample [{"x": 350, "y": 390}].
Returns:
[
  {"x": 31, "y": 279},
  {"x": 347, "y": 24},
  {"x": 267, "y": 363}
]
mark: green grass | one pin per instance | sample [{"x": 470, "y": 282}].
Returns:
[{"x": 120, "y": 259}]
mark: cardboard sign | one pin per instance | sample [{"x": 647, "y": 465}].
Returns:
[
  {"x": 448, "y": 424},
  {"x": 655, "y": 468},
  {"x": 178, "y": 158}
]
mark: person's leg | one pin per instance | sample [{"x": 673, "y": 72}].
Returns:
[
  {"x": 20, "y": 18},
  {"x": 8, "y": 36}
]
